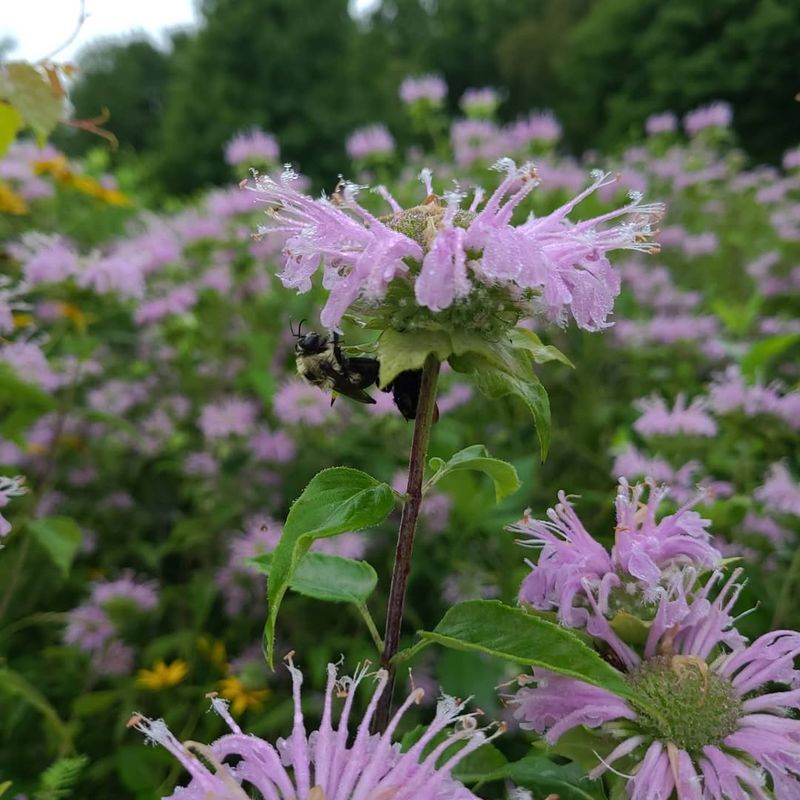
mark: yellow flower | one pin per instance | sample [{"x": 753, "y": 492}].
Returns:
[
  {"x": 59, "y": 169},
  {"x": 162, "y": 675},
  {"x": 242, "y": 698},
  {"x": 214, "y": 651},
  {"x": 10, "y": 201},
  {"x": 22, "y": 320}
]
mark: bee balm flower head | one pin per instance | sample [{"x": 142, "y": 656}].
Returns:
[
  {"x": 328, "y": 764},
  {"x": 456, "y": 263}
]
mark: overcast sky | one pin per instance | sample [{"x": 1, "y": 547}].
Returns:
[{"x": 40, "y": 26}]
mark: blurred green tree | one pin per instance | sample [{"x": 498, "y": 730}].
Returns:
[
  {"x": 282, "y": 65},
  {"x": 129, "y": 77},
  {"x": 629, "y": 58}
]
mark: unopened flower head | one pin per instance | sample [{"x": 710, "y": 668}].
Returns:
[
  {"x": 714, "y": 721},
  {"x": 449, "y": 263},
  {"x": 330, "y": 763}
]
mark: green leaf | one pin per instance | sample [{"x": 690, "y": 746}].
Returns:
[
  {"x": 15, "y": 684},
  {"x": 761, "y": 353},
  {"x": 31, "y": 94},
  {"x": 543, "y": 776},
  {"x": 60, "y": 537},
  {"x": 326, "y": 577},
  {"x": 5, "y": 785},
  {"x": 336, "y": 500},
  {"x": 59, "y": 779},
  {"x": 523, "y": 339},
  {"x": 399, "y": 352},
  {"x": 93, "y": 703},
  {"x": 488, "y": 626},
  {"x": 527, "y": 387},
  {"x": 478, "y": 765},
  {"x": 583, "y": 746},
  {"x": 10, "y": 123},
  {"x": 476, "y": 457}
]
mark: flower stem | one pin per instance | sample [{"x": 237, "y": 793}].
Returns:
[{"x": 405, "y": 535}]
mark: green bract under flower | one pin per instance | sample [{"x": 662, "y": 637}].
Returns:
[{"x": 696, "y": 706}]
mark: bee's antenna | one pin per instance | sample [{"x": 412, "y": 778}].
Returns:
[{"x": 299, "y": 333}]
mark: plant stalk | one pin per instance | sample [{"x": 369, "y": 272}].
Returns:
[{"x": 405, "y": 535}]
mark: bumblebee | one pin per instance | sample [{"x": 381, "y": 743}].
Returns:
[{"x": 322, "y": 363}]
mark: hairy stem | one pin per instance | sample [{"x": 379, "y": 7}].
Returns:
[{"x": 405, "y": 535}]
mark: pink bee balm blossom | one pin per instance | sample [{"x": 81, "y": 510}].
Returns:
[
  {"x": 369, "y": 141},
  {"x": 328, "y": 764},
  {"x": 88, "y": 627},
  {"x": 539, "y": 126},
  {"x": 298, "y": 403},
  {"x": 233, "y": 416},
  {"x": 718, "y": 723},
  {"x": 9, "y": 487},
  {"x": 780, "y": 492},
  {"x": 561, "y": 263},
  {"x": 579, "y": 578},
  {"x": 252, "y": 146},
  {"x": 141, "y": 594},
  {"x": 714, "y": 115},
  {"x": 484, "y": 100},
  {"x": 657, "y": 419},
  {"x": 45, "y": 259},
  {"x": 176, "y": 301},
  {"x": 431, "y": 88},
  {"x": 113, "y": 660},
  {"x": 730, "y": 393},
  {"x": 276, "y": 446},
  {"x": 791, "y": 159},
  {"x": 665, "y": 122},
  {"x": 201, "y": 464},
  {"x": 31, "y": 364}
]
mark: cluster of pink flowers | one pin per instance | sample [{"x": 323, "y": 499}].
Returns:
[
  {"x": 91, "y": 628},
  {"x": 330, "y": 762},
  {"x": 374, "y": 140},
  {"x": 565, "y": 263},
  {"x": 711, "y": 719}
]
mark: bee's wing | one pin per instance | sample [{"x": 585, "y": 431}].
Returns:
[{"x": 352, "y": 378}]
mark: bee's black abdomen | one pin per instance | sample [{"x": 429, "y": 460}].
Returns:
[{"x": 405, "y": 392}]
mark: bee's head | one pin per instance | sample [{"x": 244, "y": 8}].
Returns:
[{"x": 309, "y": 343}]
